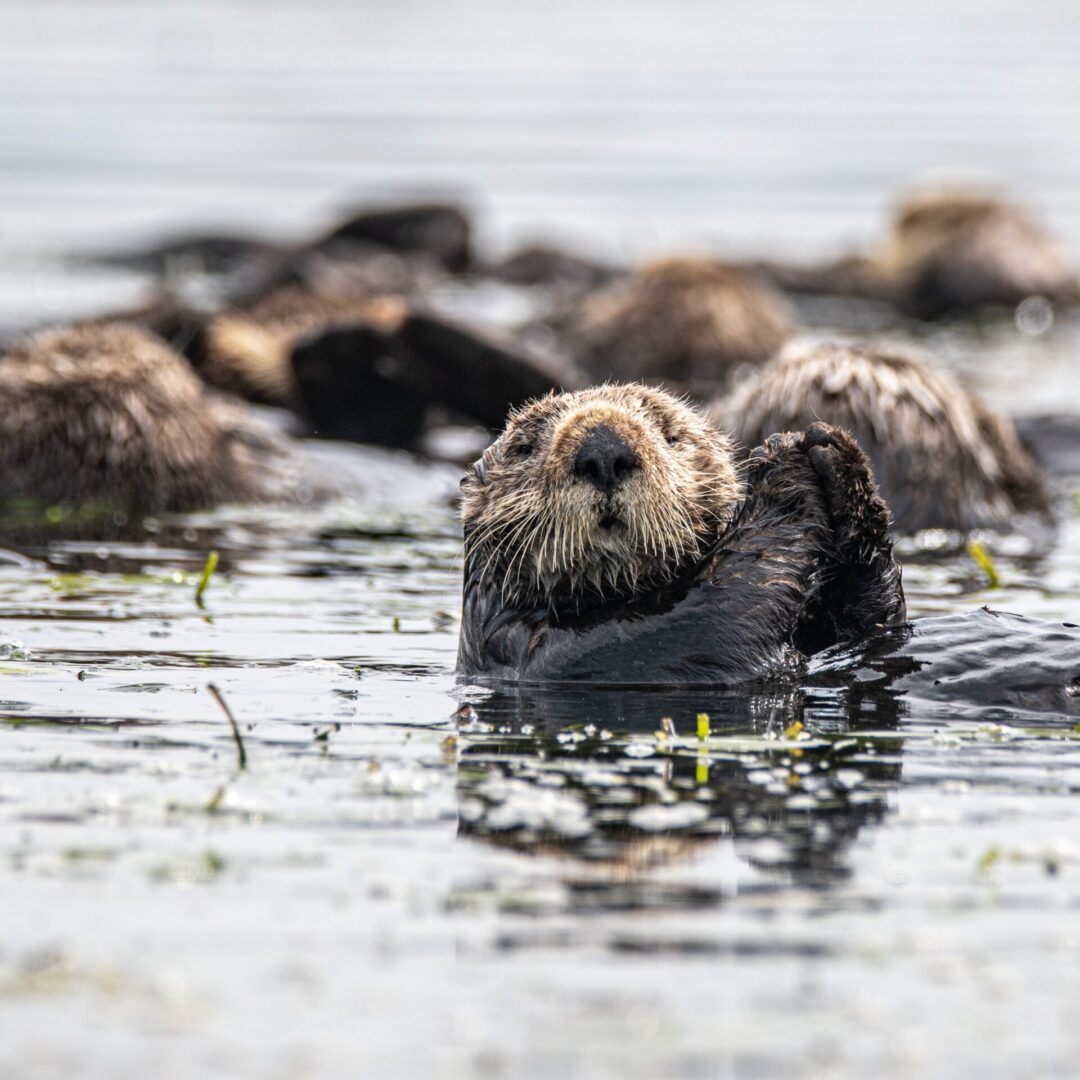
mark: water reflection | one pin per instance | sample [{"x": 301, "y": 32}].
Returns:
[{"x": 621, "y": 783}]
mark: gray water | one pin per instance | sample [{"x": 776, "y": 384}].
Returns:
[{"x": 412, "y": 878}]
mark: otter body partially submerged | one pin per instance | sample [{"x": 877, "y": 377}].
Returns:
[
  {"x": 958, "y": 250},
  {"x": 609, "y": 538},
  {"x": 941, "y": 457},
  {"x": 949, "y": 251},
  {"x": 107, "y": 414},
  {"x": 686, "y": 321},
  {"x": 248, "y": 350}
]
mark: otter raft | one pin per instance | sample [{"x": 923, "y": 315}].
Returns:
[{"x": 635, "y": 578}]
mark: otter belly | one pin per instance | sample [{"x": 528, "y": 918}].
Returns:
[
  {"x": 983, "y": 660},
  {"x": 696, "y": 637}
]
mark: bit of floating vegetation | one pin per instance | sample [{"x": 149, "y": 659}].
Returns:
[
  {"x": 199, "y": 870},
  {"x": 989, "y": 859},
  {"x": 213, "y": 804},
  {"x": 241, "y": 753},
  {"x": 74, "y": 584},
  {"x": 25, "y": 512},
  {"x": 794, "y": 730},
  {"x": 88, "y": 854},
  {"x": 449, "y": 748},
  {"x": 204, "y": 579},
  {"x": 397, "y": 625},
  {"x": 985, "y": 564},
  {"x": 704, "y": 729}
]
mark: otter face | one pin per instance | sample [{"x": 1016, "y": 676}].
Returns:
[{"x": 601, "y": 492}]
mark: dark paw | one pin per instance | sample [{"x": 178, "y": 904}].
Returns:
[
  {"x": 859, "y": 516},
  {"x": 775, "y": 445}
]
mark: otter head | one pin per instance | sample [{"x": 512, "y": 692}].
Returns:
[{"x": 598, "y": 493}]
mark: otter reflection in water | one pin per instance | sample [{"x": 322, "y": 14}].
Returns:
[
  {"x": 788, "y": 776},
  {"x": 593, "y": 776}
]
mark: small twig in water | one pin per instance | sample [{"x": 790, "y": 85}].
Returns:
[{"x": 241, "y": 753}]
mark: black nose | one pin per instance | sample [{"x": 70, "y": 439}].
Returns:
[{"x": 605, "y": 459}]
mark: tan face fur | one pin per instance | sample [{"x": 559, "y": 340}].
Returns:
[{"x": 596, "y": 493}]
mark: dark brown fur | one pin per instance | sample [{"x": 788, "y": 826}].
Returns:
[
  {"x": 682, "y": 573},
  {"x": 686, "y": 321},
  {"x": 949, "y": 251},
  {"x": 247, "y": 350},
  {"x": 108, "y": 414},
  {"x": 943, "y": 458}
]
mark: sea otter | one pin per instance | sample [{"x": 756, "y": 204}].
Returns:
[
  {"x": 951, "y": 250},
  {"x": 610, "y": 537},
  {"x": 687, "y": 321},
  {"x": 108, "y": 414},
  {"x": 247, "y": 350},
  {"x": 436, "y": 233},
  {"x": 941, "y": 457}
]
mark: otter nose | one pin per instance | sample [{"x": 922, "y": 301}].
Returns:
[{"x": 605, "y": 459}]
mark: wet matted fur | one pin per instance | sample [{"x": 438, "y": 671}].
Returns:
[
  {"x": 544, "y": 535},
  {"x": 247, "y": 350},
  {"x": 681, "y": 571},
  {"x": 942, "y": 458},
  {"x": 685, "y": 320},
  {"x": 958, "y": 249},
  {"x": 108, "y": 414}
]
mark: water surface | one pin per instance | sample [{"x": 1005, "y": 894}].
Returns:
[{"x": 412, "y": 878}]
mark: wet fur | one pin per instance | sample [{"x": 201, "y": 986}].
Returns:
[
  {"x": 685, "y": 320},
  {"x": 949, "y": 251},
  {"x": 106, "y": 413},
  {"x": 941, "y": 457},
  {"x": 533, "y": 527},
  {"x": 247, "y": 350},
  {"x": 791, "y": 557}
]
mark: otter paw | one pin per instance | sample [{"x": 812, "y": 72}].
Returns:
[
  {"x": 859, "y": 515},
  {"x": 775, "y": 444}
]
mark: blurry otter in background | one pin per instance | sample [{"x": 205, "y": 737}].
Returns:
[
  {"x": 106, "y": 414},
  {"x": 340, "y": 330},
  {"x": 267, "y": 298},
  {"x": 435, "y": 234},
  {"x": 335, "y": 330},
  {"x": 367, "y": 369},
  {"x": 364, "y": 367},
  {"x": 942, "y": 458},
  {"x": 248, "y": 350},
  {"x": 952, "y": 250},
  {"x": 689, "y": 322}
]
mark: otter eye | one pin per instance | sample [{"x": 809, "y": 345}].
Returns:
[
  {"x": 672, "y": 440},
  {"x": 520, "y": 450}
]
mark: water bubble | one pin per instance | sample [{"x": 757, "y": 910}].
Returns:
[{"x": 1034, "y": 316}]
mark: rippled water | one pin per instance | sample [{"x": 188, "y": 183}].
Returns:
[{"x": 416, "y": 879}]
